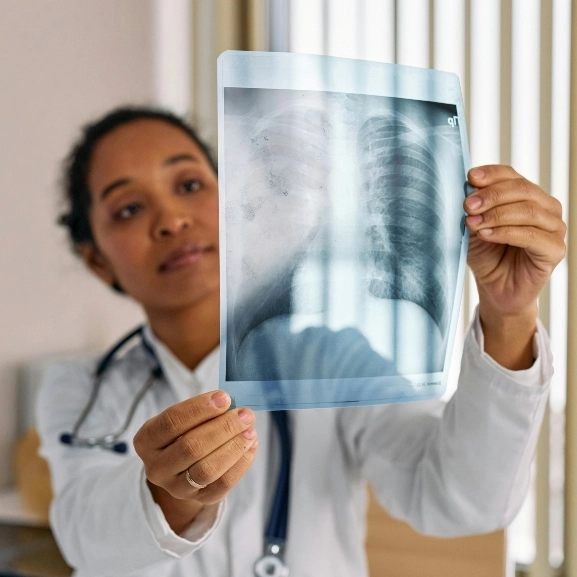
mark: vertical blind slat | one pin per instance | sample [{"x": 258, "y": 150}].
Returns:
[
  {"x": 571, "y": 403},
  {"x": 541, "y": 566},
  {"x": 505, "y": 80}
]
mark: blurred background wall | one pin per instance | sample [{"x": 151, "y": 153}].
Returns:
[{"x": 61, "y": 64}]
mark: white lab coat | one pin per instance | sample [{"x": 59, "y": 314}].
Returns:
[{"x": 447, "y": 469}]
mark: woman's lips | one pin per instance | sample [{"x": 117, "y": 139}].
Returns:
[{"x": 183, "y": 257}]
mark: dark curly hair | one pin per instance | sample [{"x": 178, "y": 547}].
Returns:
[{"x": 76, "y": 219}]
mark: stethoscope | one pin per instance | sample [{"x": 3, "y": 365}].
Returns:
[
  {"x": 271, "y": 563},
  {"x": 111, "y": 441}
]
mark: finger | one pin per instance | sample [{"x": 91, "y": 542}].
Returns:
[
  {"x": 173, "y": 422},
  {"x": 201, "y": 441},
  {"x": 481, "y": 176},
  {"x": 509, "y": 192},
  {"x": 216, "y": 491},
  {"x": 526, "y": 213},
  {"x": 212, "y": 467},
  {"x": 548, "y": 247}
]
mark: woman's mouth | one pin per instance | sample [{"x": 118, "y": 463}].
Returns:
[{"x": 185, "y": 256}]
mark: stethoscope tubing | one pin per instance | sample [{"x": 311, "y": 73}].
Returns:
[
  {"x": 276, "y": 532},
  {"x": 110, "y": 441}
]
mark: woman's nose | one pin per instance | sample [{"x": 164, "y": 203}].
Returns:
[{"x": 170, "y": 221}]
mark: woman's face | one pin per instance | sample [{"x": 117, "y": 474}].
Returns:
[{"x": 154, "y": 215}]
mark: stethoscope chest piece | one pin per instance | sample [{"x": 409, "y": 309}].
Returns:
[{"x": 271, "y": 563}]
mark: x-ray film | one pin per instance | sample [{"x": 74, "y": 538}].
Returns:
[{"x": 343, "y": 245}]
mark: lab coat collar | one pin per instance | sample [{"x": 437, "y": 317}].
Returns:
[{"x": 183, "y": 381}]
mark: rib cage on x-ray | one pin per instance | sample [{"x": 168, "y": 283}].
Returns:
[
  {"x": 289, "y": 159},
  {"x": 293, "y": 145},
  {"x": 343, "y": 244},
  {"x": 405, "y": 234}
]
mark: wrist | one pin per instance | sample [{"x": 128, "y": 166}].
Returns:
[
  {"x": 179, "y": 513},
  {"x": 494, "y": 320},
  {"x": 508, "y": 337}
]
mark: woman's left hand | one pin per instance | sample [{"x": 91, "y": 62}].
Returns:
[{"x": 517, "y": 239}]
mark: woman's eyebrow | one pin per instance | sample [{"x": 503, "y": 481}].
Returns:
[
  {"x": 112, "y": 186},
  {"x": 179, "y": 158},
  {"x": 168, "y": 162}
]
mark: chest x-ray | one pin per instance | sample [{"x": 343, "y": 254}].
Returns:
[{"x": 342, "y": 239}]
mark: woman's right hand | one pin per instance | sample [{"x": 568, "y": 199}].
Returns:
[{"x": 200, "y": 435}]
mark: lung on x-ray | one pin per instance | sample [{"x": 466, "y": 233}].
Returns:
[{"x": 342, "y": 239}]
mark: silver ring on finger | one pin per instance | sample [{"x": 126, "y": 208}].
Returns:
[{"x": 193, "y": 483}]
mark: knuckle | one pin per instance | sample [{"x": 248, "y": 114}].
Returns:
[
  {"x": 532, "y": 212},
  {"x": 176, "y": 489},
  {"x": 137, "y": 442},
  {"x": 169, "y": 423},
  {"x": 523, "y": 185},
  {"x": 144, "y": 436},
  {"x": 228, "y": 481},
  {"x": 197, "y": 407},
  {"x": 556, "y": 206},
  {"x": 248, "y": 458},
  {"x": 228, "y": 426},
  {"x": 153, "y": 474},
  {"x": 245, "y": 462},
  {"x": 204, "y": 471},
  {"x": 495, "y": 215},
  {"x": 239, "y": 444},
  {"x": 193, "y": 447},
  {"x": 504, "y": 170},
  {"x": 491, "y": 195}
]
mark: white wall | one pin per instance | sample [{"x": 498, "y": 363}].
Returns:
[{"x": 62, "y": 63}]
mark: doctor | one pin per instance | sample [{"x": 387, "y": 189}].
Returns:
[{"x": 192, "y": 495}]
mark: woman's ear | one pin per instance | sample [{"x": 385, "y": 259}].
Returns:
[{"x": 97, "y": 263}]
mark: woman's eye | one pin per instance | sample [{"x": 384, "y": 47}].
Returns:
[
  {"x": 127, "y": 211},
  {"x": 191, "y": 185}
]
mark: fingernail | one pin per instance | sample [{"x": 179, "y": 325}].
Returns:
[
  {"x": 475, "y": 220},
  {"x": 474, "y": 202},
  {"x": 255, "y": 444},
  {"x": 250, "y": 433},
  {"x": 246, "y": 416},
  {"x": 486, "y": 231},
  {"x": 477, "y": 174},
  {"x": 220, "y": 399}
]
